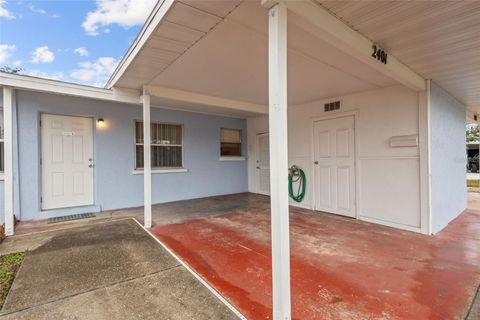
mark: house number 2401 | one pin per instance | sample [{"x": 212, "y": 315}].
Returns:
[{"x": 379, "y": 54}]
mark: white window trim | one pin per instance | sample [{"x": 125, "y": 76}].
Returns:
[
  {"x": 166, "y": 170},
  {"x": 232, "y": 158},
  {"x": 159, "y": 169}
]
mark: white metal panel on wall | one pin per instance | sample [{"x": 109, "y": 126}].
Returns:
[{"x": 386, "y": 187}]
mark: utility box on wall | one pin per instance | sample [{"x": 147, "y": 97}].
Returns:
[{"x": 404, "y": 141}]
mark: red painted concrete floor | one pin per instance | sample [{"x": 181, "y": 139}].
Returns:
[{"x": 340, "y": 268}]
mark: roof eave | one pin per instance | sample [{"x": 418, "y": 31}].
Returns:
[{"x": 153, "y": 20}]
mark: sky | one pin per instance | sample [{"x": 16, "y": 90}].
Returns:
[{"x": 78, "y": 41}]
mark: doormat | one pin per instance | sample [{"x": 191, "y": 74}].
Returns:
[{"x": 71, "y": 217}]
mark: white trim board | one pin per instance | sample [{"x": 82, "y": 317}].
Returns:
[
  {"x": 29, "y": 83},
  {"x": 155, "y": 171},
  {"x": 390, "y": 224},
  {"x": 234, "y": 158},
  {"x": 203, "y": 99},
  {"x": 9, "y": 106},
  {"x": 196, "y": 275},
  {"x": 424, "y": 158}
]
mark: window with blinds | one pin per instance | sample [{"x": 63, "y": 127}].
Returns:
[
  {"x": 230, "y": 142},
  {"x": 167, "y": 145}
]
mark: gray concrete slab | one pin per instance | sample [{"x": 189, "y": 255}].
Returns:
[
  {"x": 165, "y": 213},
  {"x": 474, "y": 311},
  {"x": 83, "y": 271},
  {"x": 172, "y": 294},
  {"x": 29, "y": 242}
]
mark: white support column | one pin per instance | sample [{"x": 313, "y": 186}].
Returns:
[
  {"x": 424, "y": 149},
  {"x": 8, "y": 154},
  {"x": 147, "y": 161},
  {"x": 277, "y": 77}
]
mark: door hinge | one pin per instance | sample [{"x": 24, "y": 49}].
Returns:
[
  {"x": 41, "y": 161},
  {"x": 41, "y": 199},
  {"x": 40, "y": 123}
]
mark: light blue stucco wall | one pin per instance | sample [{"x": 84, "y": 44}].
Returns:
[
  {"x": 115, "y": 185},
  {"x": 448, "y": 157}
]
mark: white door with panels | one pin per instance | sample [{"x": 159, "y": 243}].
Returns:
[
  {"x": 263, "y": 163},
  {"x": 334, "y": 163},
  {"x": 66, "y": 161}
]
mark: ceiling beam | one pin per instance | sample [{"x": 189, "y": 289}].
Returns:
[
  {"x": 199, "y": 98},
  {"x": 321, "y": 23}
]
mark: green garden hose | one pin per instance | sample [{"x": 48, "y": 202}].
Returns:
[{"x": 295, "y": 174}]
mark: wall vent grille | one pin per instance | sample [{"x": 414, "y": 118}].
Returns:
[{"x": 335, "y": 105}]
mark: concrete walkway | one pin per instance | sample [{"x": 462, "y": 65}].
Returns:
[{"x": 111, "y": 270}]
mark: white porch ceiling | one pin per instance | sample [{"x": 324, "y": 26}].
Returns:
[
  {"x": 440, "y": 40},
  {"x": 220, "y": 48}
]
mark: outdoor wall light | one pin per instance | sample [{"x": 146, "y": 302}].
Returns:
[{"x": 100, "y": 122}]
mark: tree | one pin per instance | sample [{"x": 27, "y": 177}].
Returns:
[
  {"x": 473, "y": 133},
  {"x": 14, "y": 70}
]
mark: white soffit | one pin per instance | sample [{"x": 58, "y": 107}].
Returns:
[
  {"x": 185, "y": 23},
  {"x": 221, "y": 49},
  {"x": 232, "y": 61},
  {"x": 438, "y": 39}
]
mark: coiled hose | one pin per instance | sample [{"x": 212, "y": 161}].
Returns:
[{"x": 296, "y": 175}]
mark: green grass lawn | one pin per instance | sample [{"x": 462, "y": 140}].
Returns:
[
  {"x": 473, "y": 183},
  {"x": 9, "y": 265}
]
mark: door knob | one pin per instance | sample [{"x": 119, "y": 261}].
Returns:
[
  {"x": 90, "y": 165},
  {"x": 315, "y": 162},
  {"x": 258, "y": 167},
  {"x": 90, "y": 159}
]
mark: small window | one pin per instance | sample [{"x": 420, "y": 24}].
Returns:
[
  {"x": 166, "y": 143},
  {"x": 230, "y": 143}
]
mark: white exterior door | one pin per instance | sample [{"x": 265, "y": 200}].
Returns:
[
  {"x": 334, "y": 156},
  {"x": 263, "y": 164},
  {"x": 67, "y": 161}
]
